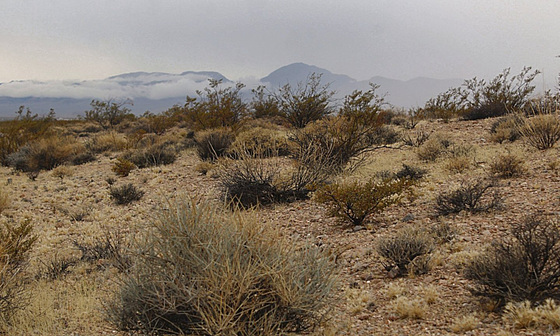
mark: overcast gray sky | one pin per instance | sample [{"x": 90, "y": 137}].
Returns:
[{"x": 401, "y": 39}]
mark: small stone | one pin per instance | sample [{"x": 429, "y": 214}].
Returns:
[
  {"x": 408, "y": 218},
  {"x": 358, "y": 228}
]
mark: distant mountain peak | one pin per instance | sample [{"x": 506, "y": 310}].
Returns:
[{"x": 300, "y": 72}]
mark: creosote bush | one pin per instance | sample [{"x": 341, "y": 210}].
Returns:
[
  {"x": 205, "y": 271},
  {"x": 406, "y": 251},
  {"x": 122, "y": 167},
  {"x": 525, "y": 266},
  {"x": 477, "y": 195},
  {"x": 356, "y": 201},
  {"x": 125, "y": 194}
]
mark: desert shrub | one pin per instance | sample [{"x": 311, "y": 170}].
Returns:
[
  {"x": 110, "y": 247},
  {"x": 460, "y": 158},
  {"x": 488, "y": 110},
  {"x": 16, "y": 241},
  {"x": 260, "y": 142},
  {"x": 154, "y": 155},
  {"x": 215, "y": 106},
  {"x": 125, "y": 194},
  {"x": 506, "y": 129},
  {"x": 250, "y": 180},
  {"x": 122, "y": 167},
  {"x": 478, "y": 99},
  {"x": 525, "y": 266},
  {"x": 81, "y": 158},
  {"x": 204, "y": 271},
  {"x": 416, "y": 139},
  {"x": 156, "y": 123},
  {"x": 403, "y": 249},
  {"x": 433, "y": 148},
  {"x": 110, "y": 113},
  {"x": 410, "y": 172},
  {"x": 55, "y": 268},
  {"x": 477, "y": 195},
  {"x": 356, "y": 201},
  {"x": 45, "y": 153},
  {"x": 264, "y": 104},
  {"x": 62, "y": 171},
  {"x": 106, "y": 142},
  {"x": 309, "y": 102},
  {"x": 541, "y": 131},
  {"x": 507, "y": 166},
  {"x": 25, "y": 127},
  {"x": 212, "y": 144}
]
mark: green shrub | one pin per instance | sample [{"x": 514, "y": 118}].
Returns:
[
  {"x": 473, "y": 196},
  {"x": 122, "y": 167},
  {"x": 125, "y": 194},
  {"x": 309, "y": 102},
  {"x": 525, "y": 266},
  {"x": 212, "y": 144},
  {"x": 402, "y": 250},
  {"x": 204, "y": 271},
  {"x": 356, "y": 201},
  {"x": 110, "y": 113},
  {"x": 215, "y": 106}
]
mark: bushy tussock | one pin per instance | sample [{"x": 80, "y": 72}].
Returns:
[
  {"x": 45, "y": 154},
  {"x": 212, "y": 144},
  {"x": 125, "y": 194},
  {"x": 406, "y": 251},
  {"x": 110, "y": 141},
  {"x": 203, "y": 271},
  {"x": 507, "y": 166},
  {"x": 153, "y": 155},
  {"x": 356, "y": 201},
  {"x": 473, "y": 196},
  {"x": 541, "y": 131},
  {"x": 525, "y": 266}
]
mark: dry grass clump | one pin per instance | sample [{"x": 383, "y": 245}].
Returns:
[
  {"x": 522, "y": 315},
  {"x": 465, "y": 323},
  {"x": 525, "y": 266},
  {"x": 45, "y": 153},
  {"x": 156, "y": 154},
  {"x": 506, "y": 129},
  {"x": 356, "y": 201},
  {"x": 204, "y": 271},
  {"x": 5, "y": 200},
  {"x": 508, "y": 166},
  {"x": 541, "y": 131},
  {"x": 477, "y": 195},
  {"x": 415, "y": 139},
  {"x": 109, "y": 141},
  {"x": 410, "y": 308},
  {"x": 458, "y": 164},
  {"x": 16, "y": 241},
  {"x": 261, "y": 142},
  {"x": 406, "y": 251},
  {"x": 432, "y": 149},
  {"x": 214, "y": 143},
  {"x": 62, "y": 171}
]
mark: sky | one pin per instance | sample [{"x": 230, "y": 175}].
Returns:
[{"x": 400, "y": 39}]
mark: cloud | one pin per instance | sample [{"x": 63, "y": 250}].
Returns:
[{"x": 141, "y": 85}]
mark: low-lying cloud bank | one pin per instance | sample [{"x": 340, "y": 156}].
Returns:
[{"x": 136, "y": 85}]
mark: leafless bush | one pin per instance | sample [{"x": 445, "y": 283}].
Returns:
[
  {"x": 473, "y": 196},
  {"x": 525, "y": 266},
  {"x": 404, "y": 248}
]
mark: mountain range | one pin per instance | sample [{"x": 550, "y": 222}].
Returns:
[{"x": 158, "y": 91}]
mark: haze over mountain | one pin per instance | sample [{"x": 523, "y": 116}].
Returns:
[{"x": 158, "y": 91}]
